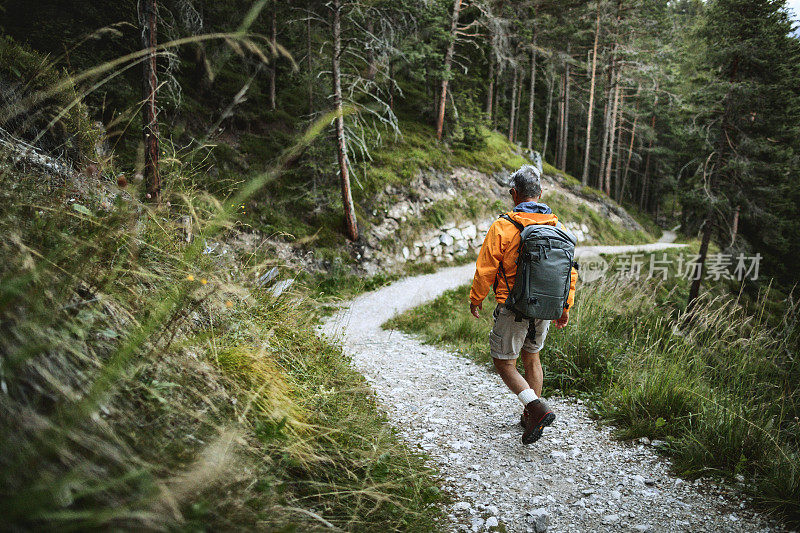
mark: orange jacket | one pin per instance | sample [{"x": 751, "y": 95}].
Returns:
[{"x": 502, "y": 244}]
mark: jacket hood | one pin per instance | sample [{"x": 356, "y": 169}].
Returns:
[
  {"x": 525, "y": 218},
  {"x": 533, "y": 207}
]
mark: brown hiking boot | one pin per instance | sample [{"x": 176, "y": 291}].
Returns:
[{"x": 537, "y": 415}]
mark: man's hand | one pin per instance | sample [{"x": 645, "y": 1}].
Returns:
[
  {"x": 561, "y": 322},
  {"x": 474, "y": 309}
]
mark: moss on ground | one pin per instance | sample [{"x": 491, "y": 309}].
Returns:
[{"x": 33, "y": 108}]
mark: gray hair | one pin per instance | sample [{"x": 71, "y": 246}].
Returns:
[{"x": 527, "y": 182}]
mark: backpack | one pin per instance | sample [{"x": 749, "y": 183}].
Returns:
[{"x": 544, "y": 268}]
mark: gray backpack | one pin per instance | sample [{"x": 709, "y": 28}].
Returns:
[{"x": 544, "y": 268}]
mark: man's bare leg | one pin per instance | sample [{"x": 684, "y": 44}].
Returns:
[
  {"x": 507, "y": 368},
  {"x": 534, "y": 375}
]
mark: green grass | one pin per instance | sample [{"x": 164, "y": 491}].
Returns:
[
  {"x": 446, "y": 321},
  {"x": 150, "y": 386},
  {"x": 602, "y": 230},
  {"x": 60, "y": 121},
  {"x": 291, "y": 207},
  {"x": 722, "y": 391},
  {"x": 645, "y": 220},
  {"x": 496, "y": 154}
]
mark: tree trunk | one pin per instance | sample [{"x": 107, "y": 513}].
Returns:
[
  {"x": 735, "y": 224},
  {"x": 611, "y": 137},
  {"x": 520, "y": 88},
  {"x": 448, "y": 60},
  {"x": 590, "y": 112},
  {"x": 620, "y": 131},
  {"x": 490, "y": 90},
  {"x": 273, "y": 71},
  {"x": 694, "y": 290},
  {"x": 630, "y": 151},
  {"x": 513, "y": 105},
  {"x": 576, "y": 146},
  {"x": 532, "y": 92},
  {"x": 560, "y": 122},
  {"x": 497, "y": 92},
  {"x": 550, "y": 86},
  {"x": 565, "y": 124},
  {"x": 646, "y": 178},
  {"x": 310, "y": 70},
  {"x": 152, "y": 177},
  {"x": 351, "y": 226},
  {"x": 725, "y": 143},
  {"x": 604, "y": 144}
]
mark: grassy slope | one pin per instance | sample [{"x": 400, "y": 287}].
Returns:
[
  {"x": 309, "y": 438},
  {"x": 723, "y": 393},
  {"x": 169, "y": 392},
  {"x": 295, "y": 211}
]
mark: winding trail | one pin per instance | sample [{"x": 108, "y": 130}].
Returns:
[{"x": 576, "y": 478}]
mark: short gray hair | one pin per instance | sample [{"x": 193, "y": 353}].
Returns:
[{"x": 527, "y": 182}]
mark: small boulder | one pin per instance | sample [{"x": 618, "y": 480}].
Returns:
[
  {"x": 455, "y": 233},
  {"x": 610, "y": 519},
  {"x": 470, "y": 232},
  {"x": 538, "y": 519},
  {"x": 462, "y": 506}
]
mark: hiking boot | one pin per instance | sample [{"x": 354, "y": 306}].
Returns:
[{"x": 537, "y": 415}]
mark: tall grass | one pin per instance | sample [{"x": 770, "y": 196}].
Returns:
[
  {"x": 150, "y": 383},
  {"x": 722, "y": 391}
]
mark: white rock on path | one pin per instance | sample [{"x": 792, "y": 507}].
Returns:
[
  {"x": 436, "y": 399},
  {"x": 538, "y": 519}
]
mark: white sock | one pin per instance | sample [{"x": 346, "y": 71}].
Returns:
[{"x": 527, "y": 396}]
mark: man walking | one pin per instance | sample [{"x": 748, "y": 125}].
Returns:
[{"x": 512, "y": 335}]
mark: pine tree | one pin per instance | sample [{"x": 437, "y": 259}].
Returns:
[{"x": 749, "y": 107}]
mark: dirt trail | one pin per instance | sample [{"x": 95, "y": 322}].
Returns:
[{"x": 577, "y": 478}]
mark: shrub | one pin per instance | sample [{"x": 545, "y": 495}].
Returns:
[{"x": 58, "y": 122}]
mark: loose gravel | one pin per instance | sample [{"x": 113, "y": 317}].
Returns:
[{"x": 576, "y": 478}]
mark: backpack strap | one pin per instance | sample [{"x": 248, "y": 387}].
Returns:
[
  {"x": 517, "y": 225},
  {"x": 520, "y": 227}
]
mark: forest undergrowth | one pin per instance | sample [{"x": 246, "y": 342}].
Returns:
[
  {"x": 718, "y": 386},
  {"x": 149, "y": 382}
]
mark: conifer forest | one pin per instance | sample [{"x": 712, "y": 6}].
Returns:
[{"x": 193, "y": 191}]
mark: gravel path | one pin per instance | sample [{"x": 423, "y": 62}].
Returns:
[
  {"x": 583, "y": 251},
  {"x": 576, "y": 478}
]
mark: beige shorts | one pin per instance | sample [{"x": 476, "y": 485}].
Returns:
[{"x": 508, "y": 336}]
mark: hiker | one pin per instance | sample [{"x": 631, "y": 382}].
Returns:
[{"x": 547, "y": 261}]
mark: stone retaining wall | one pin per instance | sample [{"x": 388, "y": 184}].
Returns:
[{"x": 444, "y": 244}]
